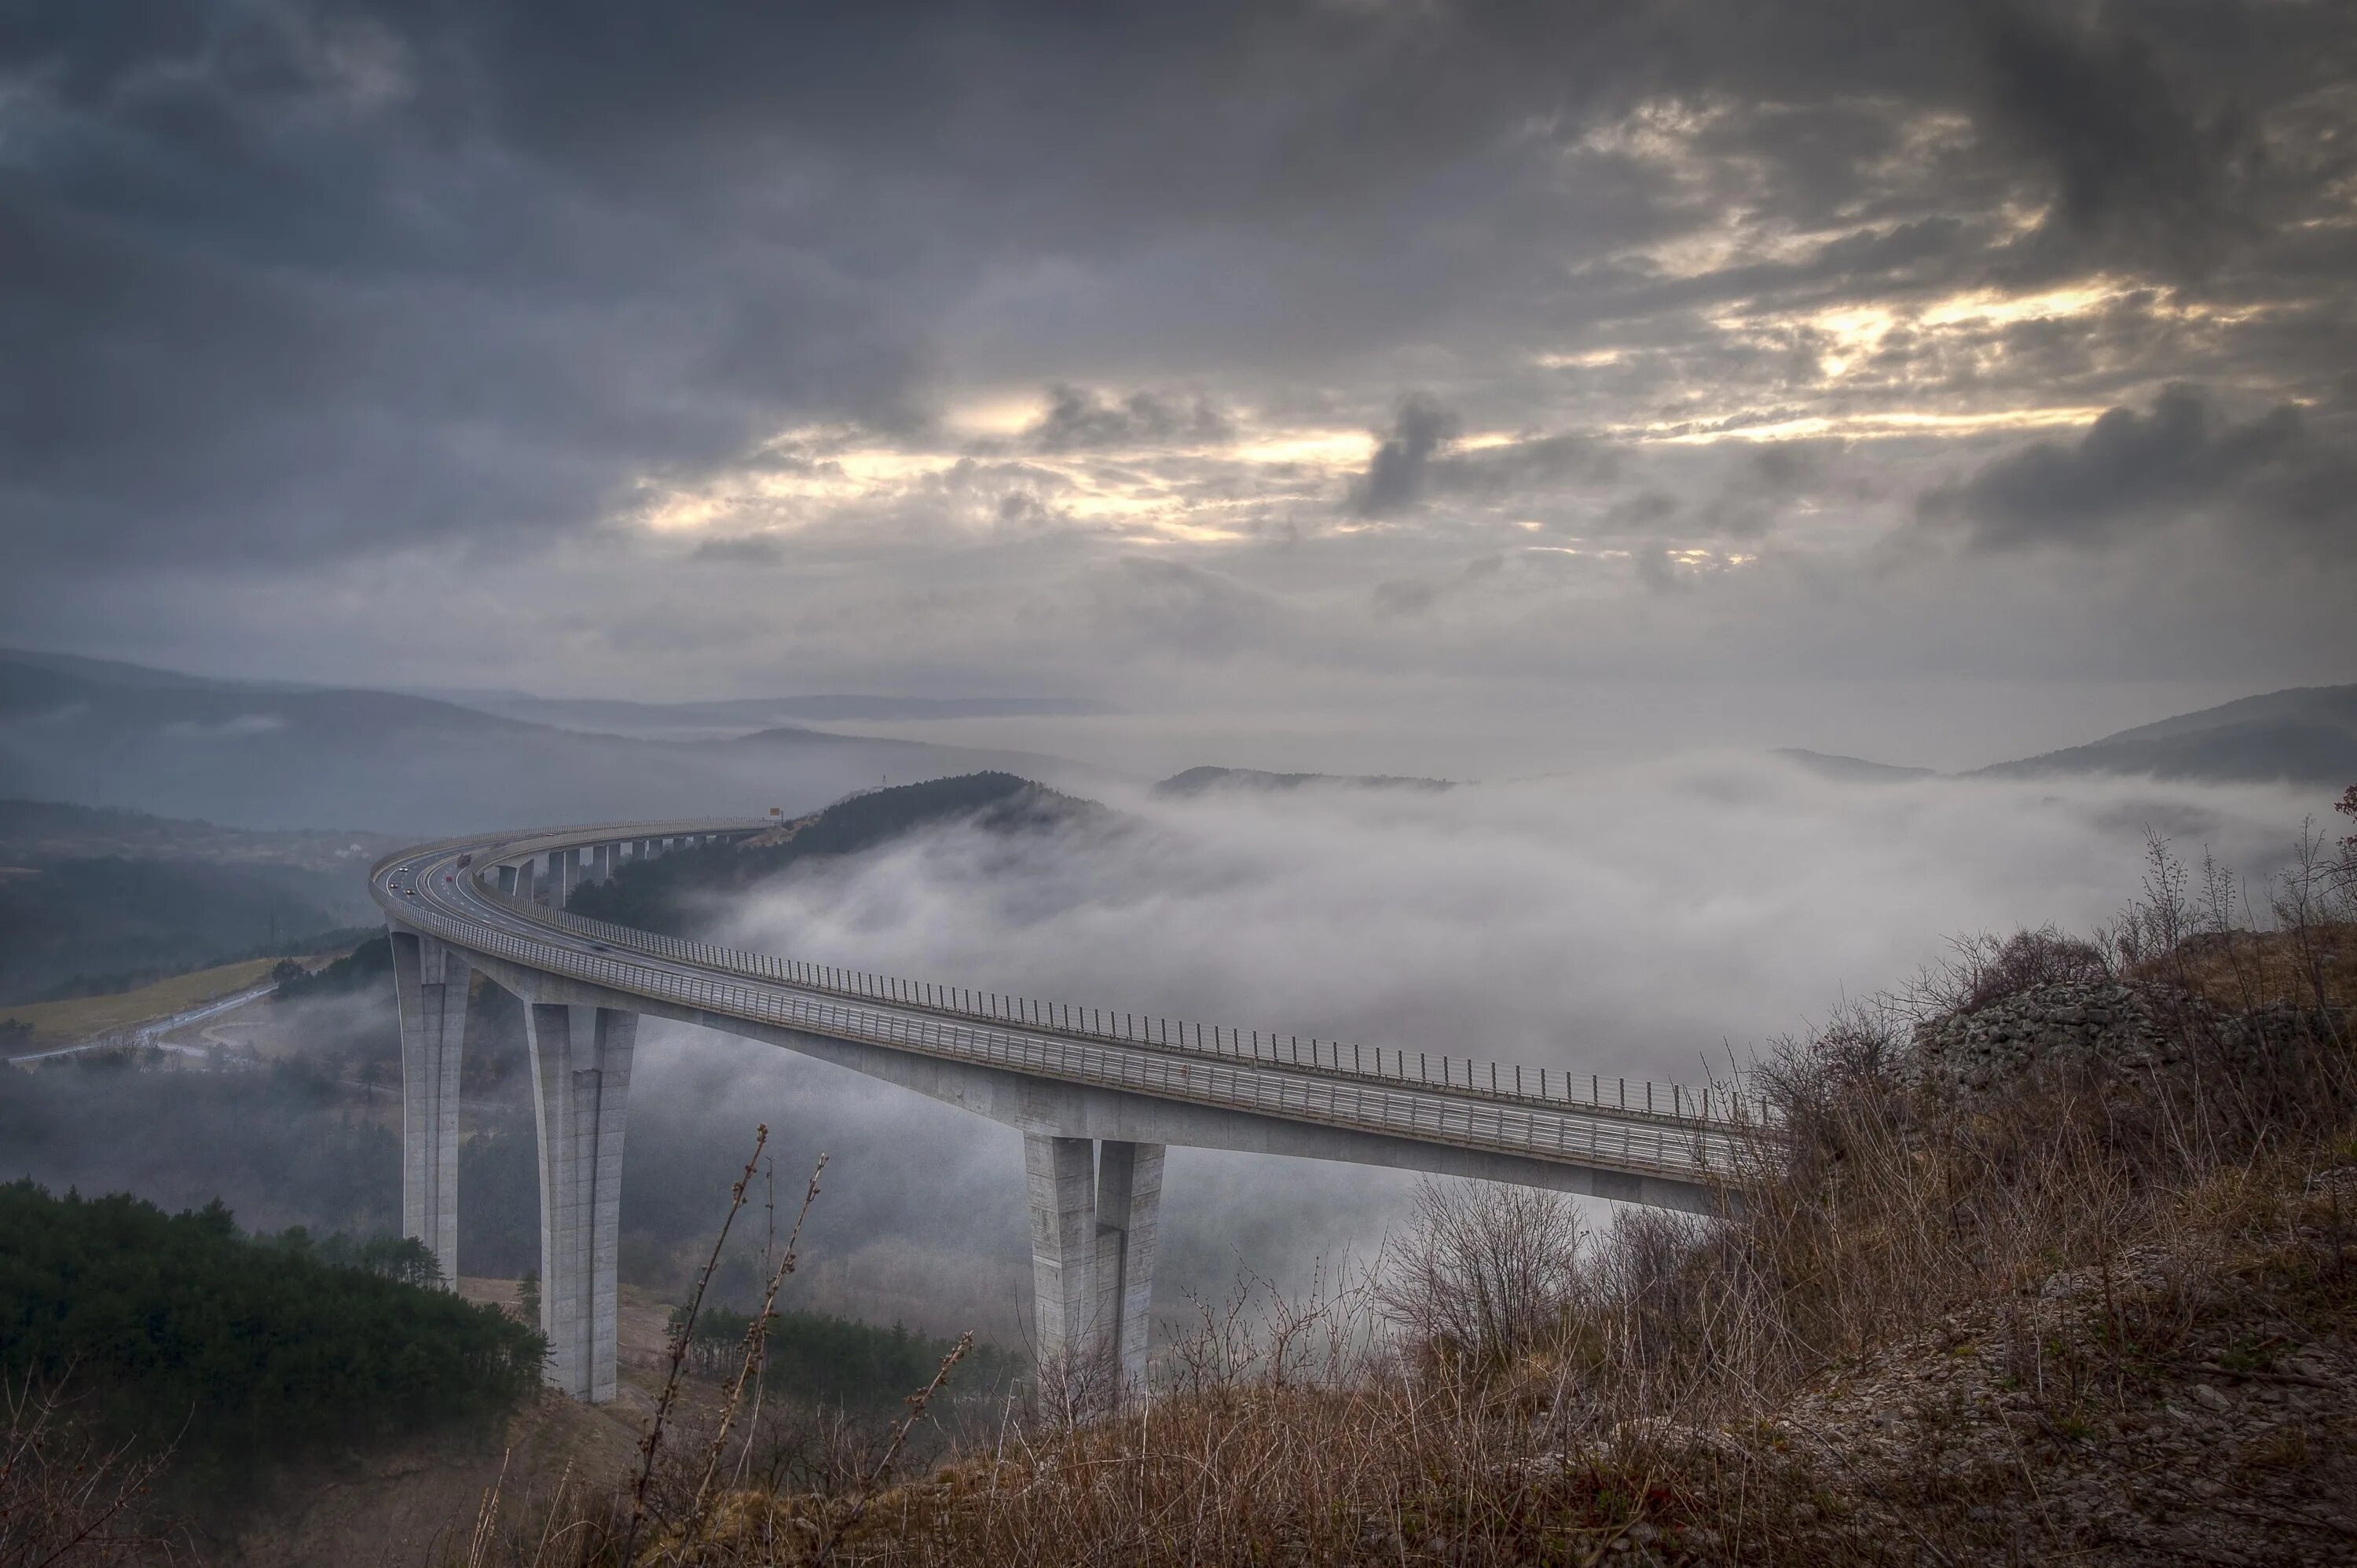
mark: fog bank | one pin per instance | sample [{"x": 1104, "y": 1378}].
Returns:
[{"x": 1646, "y": 921}]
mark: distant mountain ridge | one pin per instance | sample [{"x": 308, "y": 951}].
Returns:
[
  {"x": 114, "y": 672},
  {"x": 1832, "y": 765},
  {"x": 1202, "y": 781},
  {"x": 94, "y": 900},
  {"x": 736, "y": 715},
  {"x": 32, "y": 832},
  {"x": 2306, "y": 735},
  {"x": 270, "y": 757}
]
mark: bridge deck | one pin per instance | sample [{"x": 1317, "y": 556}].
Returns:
[{"x": 1671, "y": 1131}]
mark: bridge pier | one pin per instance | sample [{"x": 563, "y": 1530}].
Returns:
[
  {"x": 1093, "y": 1138},
  {"x": 580, "y": 1095},
  {"x": 1094, "y": 1213},
  {"x": 430, "y": 982},
  {"x": 1129, "y": 1209}
]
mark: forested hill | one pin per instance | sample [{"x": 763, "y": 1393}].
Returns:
[
  {"x": 666, "y": 893},
  {"x": 175, "y": 1331}
]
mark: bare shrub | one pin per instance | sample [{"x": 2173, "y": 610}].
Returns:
[
  {"x": 1984, "y": 969},
  {"x": 1486, "y": 1274},
  {"x": 65, "y": 1497}
]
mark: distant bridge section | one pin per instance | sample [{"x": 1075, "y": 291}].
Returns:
[{"x": 1097, "y": 1095}]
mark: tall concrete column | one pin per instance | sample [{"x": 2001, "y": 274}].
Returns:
[
  {"x": 580, "y": 1097},
  {"x": 1094, "y": 1214},
  {"x": 430, "y": 981},
  {"x": 507, "y": 879},
  {"x": 1060, "y": 1188},
  {"x": 563, "y": 872},
  {"x": 601, "y": 865},
  {"x": 1129, "y": 1205}
]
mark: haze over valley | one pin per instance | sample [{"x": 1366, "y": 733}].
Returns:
[{"x": 1425, "y": 782}]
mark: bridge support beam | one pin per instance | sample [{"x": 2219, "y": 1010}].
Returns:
[
  {"x": 1129, "y": 1208},
  {"x": 1094, "y": 1212},
  {"x": 580, "y": 1093},
  {"x": 430, "y": 982}
]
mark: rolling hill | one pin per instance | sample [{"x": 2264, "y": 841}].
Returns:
[
  {"x": 264, "y": 757},
  {"x": 1205, "y": 780},
  {"x": 2304, "y": 736}
]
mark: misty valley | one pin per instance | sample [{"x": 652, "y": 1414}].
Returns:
[
  {"x": 1377, "y": 783},
  {"x": 1560, "y": 915}
]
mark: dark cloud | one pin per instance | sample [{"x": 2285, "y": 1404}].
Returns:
[
  {"x": 1394, "y": 480},
  {"x": 2137, "y": 470},
  {"x": 1658, "y": 571},
  {"x": 2139, "y": 172},
  {"x": 1543, "y": 465},
  {"x": 1643, "y": 513},
  {"x": 1078, "y": 419},
  {"x": 292, "y": 288},
  {"x": 1414, "y": 595},
  {"x": 741, "y": 550}
]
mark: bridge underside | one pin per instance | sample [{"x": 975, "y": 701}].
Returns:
[{"x": 1092, "y": 1162}]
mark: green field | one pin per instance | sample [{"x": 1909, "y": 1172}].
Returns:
[{"x": 58, "y": 1024}]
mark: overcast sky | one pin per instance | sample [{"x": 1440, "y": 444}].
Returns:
[{"x": 1326, "y": 356}]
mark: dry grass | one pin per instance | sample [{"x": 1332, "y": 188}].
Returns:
[{"x": 2242, "y": 970}]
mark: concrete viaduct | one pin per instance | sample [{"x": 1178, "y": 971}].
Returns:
[{"x": 1097, "y": 1095}]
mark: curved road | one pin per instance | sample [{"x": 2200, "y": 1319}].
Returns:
[{"x": 1681, "y": 1144}]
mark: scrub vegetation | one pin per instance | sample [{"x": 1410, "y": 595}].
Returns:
[
  {"x": 819, "y": 1357},
  {"x": 2096, "y": 1310}
]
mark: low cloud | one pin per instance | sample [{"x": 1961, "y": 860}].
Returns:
[
  {"x": 1414, "y": 595},
  {"x": 741, "y": 550},
  {"x": 1078, "y": 419},
  {"x": 1418, "y": 461},
  {"x": 1538, "y": 466},
  {"x": 1394, "y": 480},
  {"x": 1644, "y": 920},
  {"x": 2133, "y": 471}
]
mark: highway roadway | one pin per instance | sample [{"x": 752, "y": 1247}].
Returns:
[{"x": 1688, "y": 1143}]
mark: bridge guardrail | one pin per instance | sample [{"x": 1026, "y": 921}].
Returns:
[
  {"x": 1714, "y": 1105},
  {"x": 1695, "y": 1155}
]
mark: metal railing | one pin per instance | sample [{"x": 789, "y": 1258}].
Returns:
[
  {"x": 1715, "y": 1105},
  {"x": 1664, "y": 1130},
  {"x": 1632, "y": 1146}
]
